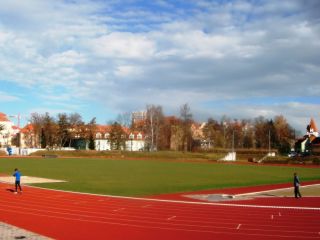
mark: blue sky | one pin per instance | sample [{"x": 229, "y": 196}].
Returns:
[{"x": 98, "y": 58}]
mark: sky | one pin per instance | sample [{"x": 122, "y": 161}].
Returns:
[{"x": 242, "y": 59}]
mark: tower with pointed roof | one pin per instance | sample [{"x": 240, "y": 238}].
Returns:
[{"x": 310, "y": 143}]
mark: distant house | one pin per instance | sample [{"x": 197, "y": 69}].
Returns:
[
  {"x": 309, "y": 143},
  {"x": 199, "y": 139},
  {"x": 28, "y": 138},
  {"x": 9, "y": 131},
  {"x": 134, "y": 140},
  {"x": 102, "y": 138},
  {"x": 138, "y": 116}
]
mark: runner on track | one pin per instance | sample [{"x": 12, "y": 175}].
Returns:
[
  {"x": 296, "y": 184},
  {"x": 17, "y": 175}
]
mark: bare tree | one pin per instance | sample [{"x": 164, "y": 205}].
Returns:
[
  {"x": 50, "y": 130},
  {"x": 213, "y": 132},
  {"x": 45, "y": 127},
  {"x": 77, "y": 127},
  {"x": 186, "y": 120},
  {"x": 124, "y": 119},
  {"x": 117, "y": 136},
  {"x": 5, "y": 135},
  {"x": 154, "y": 123},
  {"x": 1, "y": 131},
  {"x": 29, "y": 136},
  {"x": 63, "y": 129},
  {"x": 285, "y": 134},
  {"x": 36, "y": 120},
  {"x": 91, "y": 131}
]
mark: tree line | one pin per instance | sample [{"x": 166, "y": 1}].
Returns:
[
  {"x": 183, "y": 133},
  {"x": 168, "y": 132},
  {"x": 59, "y": 131}
]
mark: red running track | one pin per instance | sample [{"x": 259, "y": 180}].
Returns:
[
  {"x": 273, "y": 201},
  {"x": 65, "y": 215}
]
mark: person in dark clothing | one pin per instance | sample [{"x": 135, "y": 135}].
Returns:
[
  {"x": 296, "y": 185},
  {"x": 17, "y": 175}
]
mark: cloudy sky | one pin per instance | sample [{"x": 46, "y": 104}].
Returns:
[{"x": 99, "y": 58}]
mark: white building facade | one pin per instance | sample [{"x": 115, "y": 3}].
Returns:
[
  {"x": 8, "y": 132},
  {"x": 134, "y": 140}
]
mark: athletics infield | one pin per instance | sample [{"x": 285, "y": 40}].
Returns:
[{"x": 68, "y": 215}]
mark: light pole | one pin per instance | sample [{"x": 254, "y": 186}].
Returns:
[{"x": 224, "y": 134}]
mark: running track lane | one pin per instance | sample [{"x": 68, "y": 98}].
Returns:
[
  {"x": 273, "y": 201},
  {"x": 64, "y": 215}
]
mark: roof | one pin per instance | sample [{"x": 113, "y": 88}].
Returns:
[
  {"x": 313, "y": 125},
  {"x": 3, "y": 117},
  {"x": 103, "y": 128},
  {"x": 313, "y": 130},
  {"x": 28, "y": 128},
  {"x": 15, "y": 128}
]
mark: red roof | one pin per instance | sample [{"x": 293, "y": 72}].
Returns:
[
  {"x": 103, "y": 128},
  {"x": 28, "y": 128},
  {"x": 4, "y": 118},
  {"x": 127, "y": 131},
  {"x": 313, "y": 125}
]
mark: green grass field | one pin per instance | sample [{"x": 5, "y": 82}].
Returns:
[{"x": 143, "y": 177}]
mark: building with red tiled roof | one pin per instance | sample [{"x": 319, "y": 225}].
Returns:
[
  {"x": 4, "y": 118},
  {"x": 8, "y": 131},
  {"x": 134, "y": 140},
  {"x": 28, "y": 137}
]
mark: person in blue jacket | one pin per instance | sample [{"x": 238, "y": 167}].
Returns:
[
  {"x": 296, "y": 185},
  {"x": 17, "y": 175}
]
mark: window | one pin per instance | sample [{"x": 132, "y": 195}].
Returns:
[{"x": 131, "y": 136}]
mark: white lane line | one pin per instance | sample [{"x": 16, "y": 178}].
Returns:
[
  {"x": 170, "y": 218},
  {"x": 183, "y": 202},
  {"x": 145, "y": 206},
  {"x": 238, "y": 226},
  {"x": 174, "y": 227},
  {"x": 271, "y": 236},
  {"x": 273, "y": 190},
  {"x": 80, "y": 202},
  {"x": 119, "y": 209}
]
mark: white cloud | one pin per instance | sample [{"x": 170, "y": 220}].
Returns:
[
  {"x": 4, "y": 38},
  {"x": 5, "y": 97},
  {"x": 123, "y": 45},
  {"x": 128, "y": 71},
  {"x": 210, "y": 51},
  {"x": 67, "y": 58}
]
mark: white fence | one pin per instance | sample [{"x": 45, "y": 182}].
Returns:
[
  {"x": 28, "y": 151},
  {"x": 20, "y": 151}
]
